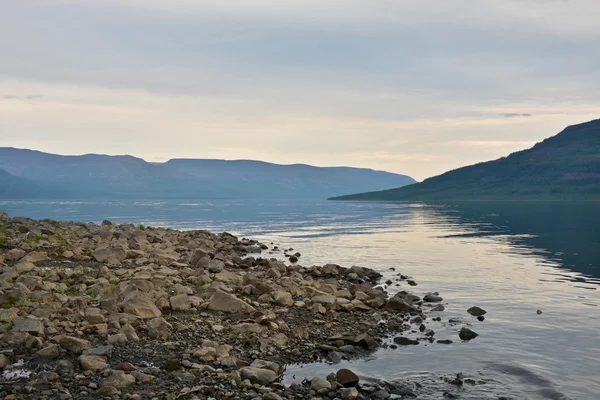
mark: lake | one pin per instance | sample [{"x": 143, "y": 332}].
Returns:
[{"x": 510, "y": 259}]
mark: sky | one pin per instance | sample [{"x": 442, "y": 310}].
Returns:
[{"x": 413, "y": 87}]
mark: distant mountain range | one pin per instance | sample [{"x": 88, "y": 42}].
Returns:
[
  {"x": 563, "y": 167},
  {"x": 28, "y": 174}
]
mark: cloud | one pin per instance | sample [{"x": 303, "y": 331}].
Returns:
[
  {"x": 515, "y": 115},
  {"x": 26, "y": 97}
]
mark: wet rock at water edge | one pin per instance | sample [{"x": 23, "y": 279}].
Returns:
[
  {"x": 347, "y": 378},
  {"x": 404, "y": 341},
  {"x": 476, "y": 311},
  {"x": 467, "y": 334},
  {"x": 446, "y": 341},
  {"x": 481, "y": 318},
  {"x": 432, "y": 298},
  {"x": 539, "y": 312}
]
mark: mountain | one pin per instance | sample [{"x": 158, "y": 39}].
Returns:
[
  {"x": 563, "y": 167},
  {"x": 15, "y": 187},
  {"x": 101, "y": 176}
]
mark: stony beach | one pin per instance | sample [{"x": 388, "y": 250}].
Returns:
[{"x": 131, "y": 312}]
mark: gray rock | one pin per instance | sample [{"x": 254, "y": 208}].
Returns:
[
  {"x": 215, "y": 266},
  {"x": 380, "y": 395},
  {"x": 29, "y": 325},
  {"x": 104, "y": 351},
  {"x": 318, "y": 384},
  {"x": 349, "y": 393}
]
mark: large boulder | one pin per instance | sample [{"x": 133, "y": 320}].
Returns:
[
  {"x": 221, "y": 301},
  {"x": 260, "y": 376},
  {"x": 399, "y": 305},
  {"x": 29, "y": 325},
  {"x": 181, "y": 302},
  {"x": 283, "y": 298},
  {"x": 347, "y": 378},
  {"x": 35, "y": 257},
  {"x": 142, "y": 307},
  {"x": 110, "y": 255}
]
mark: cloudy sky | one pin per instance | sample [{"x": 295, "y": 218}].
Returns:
[{"x": 415, "y": 87}]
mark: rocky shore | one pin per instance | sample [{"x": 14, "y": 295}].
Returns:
[{"x": 132, "y": 312}]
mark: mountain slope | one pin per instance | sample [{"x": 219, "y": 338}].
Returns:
[
  {"x": 563, "y": 167},
  {"x": 258, "y": 178},
  {"x": 14, "y": 187},
  {"x": 101, "y": 176}
]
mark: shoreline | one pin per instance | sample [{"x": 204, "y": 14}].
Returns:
[{"x": 129, "y": 312}]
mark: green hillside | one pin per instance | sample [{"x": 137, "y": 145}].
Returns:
[{"x": 563, "y": 167}]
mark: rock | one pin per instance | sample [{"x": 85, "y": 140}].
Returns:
[
  {"x": 259, "y": 375},
  {"x": 539, "y": 312},
  {"x": 335, "y": 357},
  {"x": 172, "y": 365},
  {"x": 74, "y": 345},
  {"x": 262, "y": 364},
  {"x": 48, "y": 353},
  {"x": 104, "y": 351},
  {"x": 118, "y": 379},
  {"x": 439, "y": 307},
  {"x": 92, "y": 363},
  {"x": 64, "y": 366},
  {"x": 347, "y": 378},
  {"x": 380, "y": 395},
  {"x": 143, "y": 378},
  {"x": 199, "y": 258},
  {"x": 142, "y": 307},
  {"x": 8, "y": 314},
  {"x": 404, "y": 341},
  {"x": 35, "y": 257},
  {"x": 349, "y": 393},
  {"x": 111, "y": 256},
  {"x": 221, "y": 301},
  {"x": 476, "y": 311},
  {"x": 447, "y": 341},
  {"x": 467, "y": 334},
  {"x": 4, "y": 361},
  {"x": 481, "y": 318},
  {"x": 29, "y": 325},
  {"x": 283, "y": 298},
  {"x": 432, "y": 298},
  {"x": 14, "y": 254},
  {"x": 399, "y": 305},
  {"x": 159, "y": 328},
  {"x": 215, "y": 266},
  {"x": 181, "y": 302},
  {"x": 324, "y": 299},
  {"x": 272, "y": 396},
  {"x": 318, "y": 384}
]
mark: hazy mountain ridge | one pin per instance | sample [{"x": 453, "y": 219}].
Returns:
[
  {"x": 562, "y": 167},
  {"x": 94, "y": 175}
]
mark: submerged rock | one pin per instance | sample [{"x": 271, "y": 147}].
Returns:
[{"x": 476, "y": 311}]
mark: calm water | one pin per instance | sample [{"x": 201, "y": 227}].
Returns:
[{"x": 511, "y": 259}]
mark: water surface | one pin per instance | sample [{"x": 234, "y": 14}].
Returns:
[{"x": 510, "y": 259}]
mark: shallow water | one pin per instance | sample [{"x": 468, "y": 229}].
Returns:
[{"x": 510, "y": 259}]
